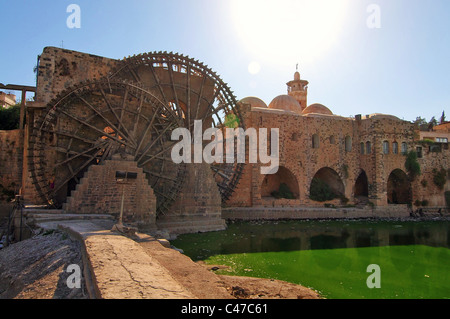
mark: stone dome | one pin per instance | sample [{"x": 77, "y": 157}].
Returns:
[
  {"x": 317, "y": 109},
  {"x": 382, "y": 116},
  {"x": 286, "y": 103},
  {"x": 254, "y": 101}
]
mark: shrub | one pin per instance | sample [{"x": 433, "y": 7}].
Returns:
[
  {"x": 283, "y": 192},
  {"x": 424, "y": 183},
  {"x": 412, "y": 165},
  {"x": 320, "y": 191}
]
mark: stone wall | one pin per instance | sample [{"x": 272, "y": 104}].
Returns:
[
  {"x": 264, "y": 213},
  {"x": 424, "y": 188},
  {"x": 11, "y": 162},
  {"x": 59, "y": 69},
  {"x": 338, "y": 150},
  {"x": 198, "y": 208}
]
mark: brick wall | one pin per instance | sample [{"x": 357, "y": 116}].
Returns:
[
  {"x": 11, "y": 161},
  {"x": 99, "y": 193}
]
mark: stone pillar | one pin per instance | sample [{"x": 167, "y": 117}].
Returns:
[{"x": 198, "y": 208}]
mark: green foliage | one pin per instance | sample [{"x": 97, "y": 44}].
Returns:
[
  {"x": 283, "y": 192},
  {"x": 10, "y": 118},
  {"x": 412, "y": 165},
  {"x": 424, "y": 183},
  {"x": 426, "y": 141},
  {"x": 439, "y": 177},
  {"x": 320, "y": 191}
]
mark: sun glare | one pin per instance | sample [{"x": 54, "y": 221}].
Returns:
[{"x": 290, "y": 30}]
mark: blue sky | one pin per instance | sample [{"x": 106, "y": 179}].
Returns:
[{"x": 401, "y": 68}]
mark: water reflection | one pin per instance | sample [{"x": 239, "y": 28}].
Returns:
[{"x": 246, "y": 237}]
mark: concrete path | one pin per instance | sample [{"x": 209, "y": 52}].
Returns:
[{"x": 120, "y": 268}]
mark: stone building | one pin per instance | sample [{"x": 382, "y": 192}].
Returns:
[
  {"x": 97, "y": 122},
  {"x": 7, "y": 100},
  {"x": 361, "y": 159}
]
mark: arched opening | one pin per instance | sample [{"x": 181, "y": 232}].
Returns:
[
  {"x": 326, "y": 185},
  {"x": 385, "y": 147},
  {"x": 362, "y": 187},
  {"x": 398, "y": 188},
  {"x": 332, "y": 140},
  {"x": 283, "y": 184},
  {"x": 368, "y": 148}
]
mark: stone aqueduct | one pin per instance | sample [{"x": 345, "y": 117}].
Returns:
[{"x": 95, "y": 118}]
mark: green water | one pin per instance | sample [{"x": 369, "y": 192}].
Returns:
[{"x": 332, "y": 256}]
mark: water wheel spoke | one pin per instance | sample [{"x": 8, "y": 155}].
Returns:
[
  {"x": 76, "y": 154},
  {"x": 73, "y": 173},
  {"x": 102, "y": 91}
]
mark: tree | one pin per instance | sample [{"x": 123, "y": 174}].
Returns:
[
  {"x": 10, "y": 117},
  {"x": 420, "y": 121},
  {"x": 442, "y": 121},
  {"x": 433, "y": 122}
]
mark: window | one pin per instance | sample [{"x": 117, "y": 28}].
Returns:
[
  {"x": 385, "y": 147},
  {"x": 332, "y": 141},
  {"x": 348, "y": 144},
  {"x": 362, "y": 149},
  {"x": 368, "y": 148},
  {"x": 395, "y": 148},
  {"x": 441, "y": 140},
  {"x": 404, "y": 148},
  {"x": 419, "y": 152},
  {"x": 315, "y": 141}
]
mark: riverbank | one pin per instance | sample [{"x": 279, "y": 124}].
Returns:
[{"x": 36, "y": 269}]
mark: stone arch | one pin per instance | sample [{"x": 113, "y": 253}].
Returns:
[
  {"x": 326, "y": 184},
  {"x": 399, "y": 189},
  {"x": 362, "y": 185},
  {"x": 280, "y": 184}
]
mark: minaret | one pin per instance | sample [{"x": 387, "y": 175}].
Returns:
[{"x": 298, "y": 89}]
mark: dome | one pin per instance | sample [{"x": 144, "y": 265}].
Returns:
[
  {"x": 318, "y": 109},
  {"x": 382, "y": 116},
  {"x": 297, "y": 76},
  {"x": 286, "y": 103},
  {"x": 254, "y": 101}
]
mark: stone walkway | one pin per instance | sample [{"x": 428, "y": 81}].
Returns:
[{"x": 120, "y": 268}]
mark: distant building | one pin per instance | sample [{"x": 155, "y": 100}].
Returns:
[{"x": 7, "y": 100}]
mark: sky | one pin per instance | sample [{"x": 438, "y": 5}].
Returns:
[{"x": 359, "y": 56}]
